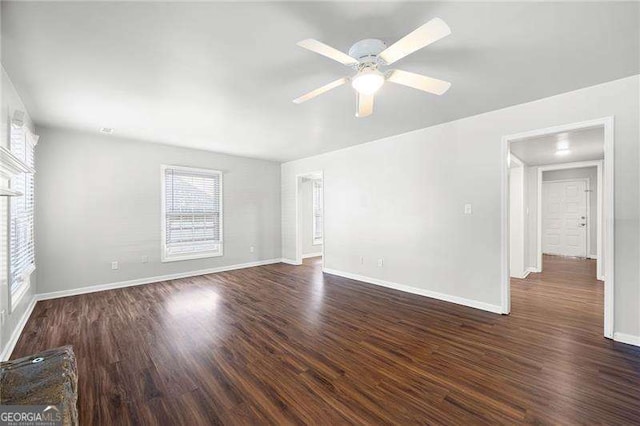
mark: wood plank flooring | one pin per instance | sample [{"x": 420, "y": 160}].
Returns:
[{"x": 281, "y": 344}]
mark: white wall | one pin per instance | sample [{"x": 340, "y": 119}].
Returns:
[
  {"x": 306, "y": 217},
  {"x": 517, "y": 223},
  {"x": 402, "y": 199},
  {"x": 590, "y": 173},
  {"x": 98, "y": 200},
  {"x": 10, "y": 102},
  {"x": 532, "y": 220}
]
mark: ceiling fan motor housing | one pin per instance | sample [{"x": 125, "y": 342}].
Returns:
[{"x": 366, "y": 52}]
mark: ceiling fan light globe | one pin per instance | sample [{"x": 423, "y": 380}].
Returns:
[{"x": 367, "y": 82}]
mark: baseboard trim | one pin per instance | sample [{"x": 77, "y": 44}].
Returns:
[
  {"x": 308, "y": 255},
  {"x": 533, "y": 270},
  {"x": 290, "y": 262},
  {"x": 17, "y": 332},
  {"x": 593, "y": 256},
  {"x": 629, "y": 339},
  {"x": 151, "y": 280},
  {"x": 496, "y": 309},
  {"x": 523, "y": 275}
]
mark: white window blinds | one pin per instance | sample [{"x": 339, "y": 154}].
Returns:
[
  {"x": 21, "y": 211},
  {"x": 192, "y": 216},
  {"x": 317, "y": 212}
]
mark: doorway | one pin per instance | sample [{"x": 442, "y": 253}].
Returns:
[
  {"x": 556, "y": 200},
  {"x": 589, "y": 218},
  {"x": 310, "y": 217}
]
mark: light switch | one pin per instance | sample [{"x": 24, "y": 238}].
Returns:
[{"x": 468, "y": 209}]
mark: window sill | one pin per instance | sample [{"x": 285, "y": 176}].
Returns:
[
  {"x": 166, "y": 258},
  {"x": 316, "y": 243}
]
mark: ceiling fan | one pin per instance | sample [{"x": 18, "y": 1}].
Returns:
[{"x": 369, "y": 57}]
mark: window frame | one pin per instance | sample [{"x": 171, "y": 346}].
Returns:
[
  {"x": 163, "y": 216},
  {"x": 30, "y": 141},
  {"x": 317, "y": 241}
]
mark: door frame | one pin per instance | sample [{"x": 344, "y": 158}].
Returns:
[
  {"x": 299, "y": 177},
  {"x": 598, "y": 164},
  {"x": 607, "y": 183},
  {"x": 587, "y": 236}
]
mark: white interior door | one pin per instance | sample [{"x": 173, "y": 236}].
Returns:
[{"x": 564, "y": 218}]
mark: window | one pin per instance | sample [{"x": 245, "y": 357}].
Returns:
[
  {"x": 21, "y": 215},
  {"x": 317, "y": 212},
  {"x": 191, "y": 213}
]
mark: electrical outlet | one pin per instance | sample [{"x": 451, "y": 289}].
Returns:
[
  {"x": 114, "y": 265},
  {"x": 145, "y": 259},
  {"x": 252, "y": 249},
  {"x": 468, "y": 209},
  {"x": 362, "y": 260},
  {"x": 380, "y": 263}
]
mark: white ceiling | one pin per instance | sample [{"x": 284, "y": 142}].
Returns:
[
  {"x": 221, "y": 76},
  {"x": 581, "y": 145}
]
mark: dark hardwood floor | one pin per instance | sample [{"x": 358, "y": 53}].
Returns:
[{"x": 282, "y": 344}]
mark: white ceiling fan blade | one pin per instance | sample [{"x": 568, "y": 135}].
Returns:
[
  {"x": 430, "y": 32},
  {"x": 320, "y": 90},
  {"x": 365, "y": 105},
  {"x": 420, "y": 82},
  {"x": 328, "y": 51}
]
